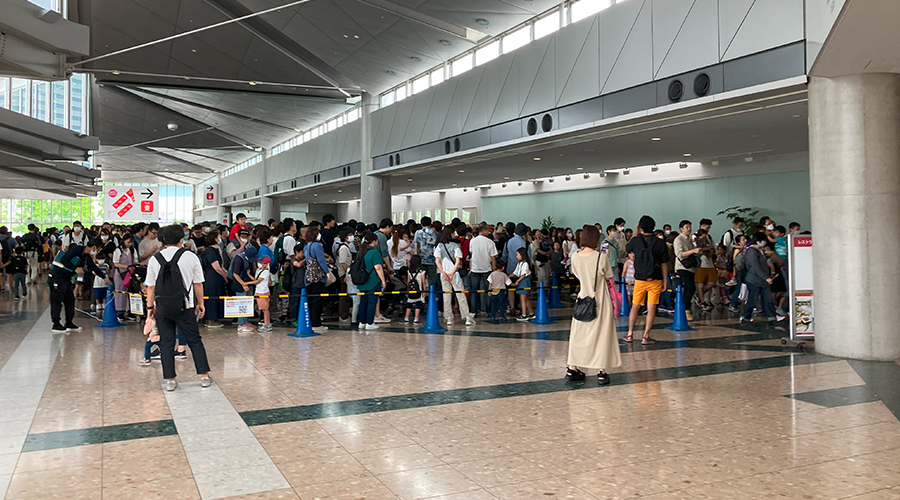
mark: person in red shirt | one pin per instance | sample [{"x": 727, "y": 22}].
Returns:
[{"x": 241, "y": 223}]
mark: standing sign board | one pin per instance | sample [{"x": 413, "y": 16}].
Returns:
[
  {"x": 238, "y": 307},
  {"x": 211, "y": 195},
  {"x": 800, "y": 287},
  {"x": 130, "y": 204}
]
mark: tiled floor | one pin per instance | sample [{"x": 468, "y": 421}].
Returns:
[{"x": 471, "y": 414}]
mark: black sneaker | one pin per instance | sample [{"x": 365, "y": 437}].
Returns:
[
  {"x": 181, "y": 355},
  {"x": 72, "y": 327},
  {"x": 57, "y": 328}
]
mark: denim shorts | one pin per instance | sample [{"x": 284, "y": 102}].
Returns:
[{"x": 525, "y": 283}]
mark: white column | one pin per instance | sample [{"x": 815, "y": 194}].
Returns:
[
  {"x": 374, "y": 191},
  {"x": 854, "y": 145}
]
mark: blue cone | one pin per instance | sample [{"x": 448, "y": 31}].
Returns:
[
  {"x": 110, "y": 319},
  {"x": 680, "y": 324},
  {"x": 432, "y": 319},
  {"x": 555, "y": 302},
  {"x": 542, "y": 315},
  {"x": 304, "y": 324},
  {"x": 625, "y": 310}
]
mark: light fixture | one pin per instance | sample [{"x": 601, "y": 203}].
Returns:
[
  {"x": 482, "y": 22},
  {"x": 462, "y": 171},
  {"x": 537, "y": 158},
  {"x": 587, "y": 176},
  {"x": 409, "y": 180},
  {"x": 346, "y": 36},
  {"x": 520, "y": 183},
  {"x": 476, "y": 188},
  {"x": 686, "y": 155},
  {"x": 654, "y": 168},
  {"x": 682, "y": 165},
  {"x": 391, "y": 72},
  {"x": 603, "y": 174},
  {"x": 626, "y": 172},
  {"x": 580, "y": 168},
  {"x": 315, "y": 195},
  {"x": 568, "y": 178},
  {"x": 656, "y": 138},
  {"x": 551, "y": 179},
  {"x": 506, "y": 178},
  {"x": 535, "y": 182},
  {"x": 115, "y": 72},
  {"x": 465, "y": 190},
  {"x": 454, "y": 185},
  {"x": 172, "y": 126},
  {"x": 445, "y": 43},
  {"x": 356, "y": 36},
  {"x": 340, "y": 190},
  {"x": 414, "y": 190},
  {"x": 504, "y": 185},
  {"x": 748, "y": 159},
  {"x": 252, "y": 83},
  {"x": 715, "y": 163},
  {"x": 416, "y": 58}
]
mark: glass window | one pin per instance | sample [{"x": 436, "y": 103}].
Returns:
[
  {"x": 4, "y": 92},
  {"x": 437, "y": 214},
  {"x": 387, "y": 99},
  {"x": 78, "y": 103},
  {"x": 18, "y": 100},
  {"x": 353, "y": 115},
  {"x": 400, "y": 93},
  {"x": 437, "y": 76},
  {"x": 307, "y": 137},
  {"x": 546, "y": 25},
  {"x": 516, "y": 39},
  {"x": 420, "y": 84},
  {"x": 462, "y": 64},
  {"x": 487, "y": 53},
  {"x": 449, "y": 215},
  {"x": 331, "y": 125},
  {"x": 40, "y": 100},
  {"x": 59, "y": 99},
  {"x": 584, "y": 8}
]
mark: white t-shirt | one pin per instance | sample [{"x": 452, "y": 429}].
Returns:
[
  {"x": 448, "y": 262},
  {"x": 188, "y": 264},
  {"x": 522, "y": 269},
  {"x": 343, "y": 257},
  {"x": 70, "y": 239},
  {"x": 482, "y": 249},
  {"x": 399, "y": 260},
  {"x": 288, "y": 244},
  {"x": 262, "y": 288}
]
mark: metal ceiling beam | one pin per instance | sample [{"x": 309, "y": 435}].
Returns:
[
  {"x": 179, "y": 160},
  {"x": 282, "y": 43},
  {"x": 461, "y": 32}
]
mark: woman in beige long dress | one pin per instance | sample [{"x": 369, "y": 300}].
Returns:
[{"x": 593, "y": 344}]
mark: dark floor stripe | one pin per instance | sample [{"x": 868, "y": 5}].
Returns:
[
  {"x": 883, "y": 377},
  {"x": 97, "y": 435},
  {"x": 843, "y": 396}
]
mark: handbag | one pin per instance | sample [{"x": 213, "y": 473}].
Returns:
[
  {"x": 586, "y": 307},
  {"x": 615, "y": 296}
]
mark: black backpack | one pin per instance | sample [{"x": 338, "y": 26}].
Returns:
[
  {"x": 31, "y": 242},
  {"x": 358, "y": 273},
  {"x": 644, "y": 263},
  {"x": 171, "y": 295},
  {"x": 5, "y": 251}
]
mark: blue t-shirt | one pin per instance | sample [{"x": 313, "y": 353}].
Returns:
[
  {"x": 781, "y": 247},
  {"x": 372, "y": 258}
]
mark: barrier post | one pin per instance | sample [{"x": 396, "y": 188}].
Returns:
[
  {"x": 542, "y": 315},
  {"x": 680, "y": 323},
  {"x": 432, "y": 318},
  {"x": 555, "y": 302},
  {"x": 625, "y": 310},
  {"x": 304, "y": 324},
  {"x": 110, "y": 319}
]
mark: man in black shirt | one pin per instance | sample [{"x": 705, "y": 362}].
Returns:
[
  {"x": 651, "y": 275},
  {"x": 327, "y": 233},
  {"x": 62, "y": 291}
]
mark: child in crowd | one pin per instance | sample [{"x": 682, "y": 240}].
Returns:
[
  {"x": 498, "y": 281},
  {"x": 415, "y": 283},
  {"x": 522, "y": 275},
  {"x": 629, "y": 276},
  {"x": 723, "y": 273},
  {"x": 99, "y": 284},
  {"x": 263, "y": 282},
  {"x": 151, "y": 345},
  {"x": 18, "y": 267}
]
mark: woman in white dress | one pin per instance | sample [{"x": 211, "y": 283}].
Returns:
[{"x": 593, "y": 344}]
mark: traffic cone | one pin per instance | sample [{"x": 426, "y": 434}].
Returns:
[
  {"x": 555, "y": 302},
  {"x": 110, "y": 320},
  {"x": 542, "y": 315},
  {"x": 304, "y": 325},
  {"x": 625, "y": 310},
  {"x": 432, "y": 319},
  {"x": 680, "y": 324}
]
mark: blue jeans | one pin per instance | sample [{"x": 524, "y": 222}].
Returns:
[
  {"x": 759, "y": 292},
  {"x": 19, "y": 279},
  {"x": 736, "y": 295},
  {"x": 243, "y": 320},
  {"x": 479, "y": 281},
  {"x": 367, "y": 305}
]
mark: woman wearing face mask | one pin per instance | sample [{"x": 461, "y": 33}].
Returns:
[
  {"x": 109, "y": 243},
  {"x": 214, "y": 275},
  {"x": 348, "y": 307},
  {"x": 318, "y": 276},
  {"x": 448, "y": 258},
  {"x": 75, "y": 237},
  {"x": 124, "y": 259}
]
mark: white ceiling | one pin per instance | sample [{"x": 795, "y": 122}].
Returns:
[{"x": 864, "y": 39}]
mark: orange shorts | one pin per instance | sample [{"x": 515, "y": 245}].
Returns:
[
  {"x": 263, "y": 303},
  {"x": 706, "y": 275},
  {"x": 647, "y": 291}
]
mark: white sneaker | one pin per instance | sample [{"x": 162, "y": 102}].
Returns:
[
  {"x": 470, "y": 321},
  {"x": 93, "y": 307},
  {"x": 320, "y": 329},
  {"x": 449, "y": 321},
  {"x": 373, "y": 326},
  {"x": 382, "y": 319},
  {"x": 344, "y": 320},
  {"x": 731, "y": 283}
]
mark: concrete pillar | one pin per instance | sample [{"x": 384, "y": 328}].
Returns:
[
  {"x": 854, "y": 153},
  {"x": 269, "y": 208},
  {"x": 374, "y": 191}
]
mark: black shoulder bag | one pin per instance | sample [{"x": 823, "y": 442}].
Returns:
[{"x": 586, "y": 307}]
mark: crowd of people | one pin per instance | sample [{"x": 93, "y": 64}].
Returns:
[{"x": 492, "y": 271}]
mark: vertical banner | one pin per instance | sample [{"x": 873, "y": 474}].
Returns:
[
  {"x": 800, "y": 287},
  {"x": 211, "y": 195}
]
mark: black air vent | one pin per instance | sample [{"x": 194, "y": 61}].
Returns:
[
  {"x": 676, "y": 90},
  {"x": 532, "y": 126},
  {"x": 546, "y": 123},
  {"x": 701, "y": 85}
]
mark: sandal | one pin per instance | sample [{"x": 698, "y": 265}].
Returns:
[
  {"x": 647, "y": 341},
  {"x": 629, "y": 338},
  {"x": 603, "y": 378},
  {"x": 575, "y": 375}
]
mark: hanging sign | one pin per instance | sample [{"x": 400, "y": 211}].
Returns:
[
  {"x": 130, "y": 204},
  {"x": 211, "y": 195}
]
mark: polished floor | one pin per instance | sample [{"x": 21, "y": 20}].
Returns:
[{"x": 723, "y": 412}]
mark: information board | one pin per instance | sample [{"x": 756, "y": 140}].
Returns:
[
  {"x": 800, "y": 286},
  {"x": 130, "y": 204},
  {"x": 238, "y": 307},
  {"x": 137, "y": 303},
  {"x": 211, "y": 195}
]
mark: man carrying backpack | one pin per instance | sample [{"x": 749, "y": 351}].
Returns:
[
  {"x": 651, "y": 275},
  {"x": 175, "y": 300},
  {"x": 32, "y": 243}
]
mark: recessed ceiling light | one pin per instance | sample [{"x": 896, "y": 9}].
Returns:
[
  {"x": 626, "y": 172},
  {"x": 655, "y": 168},
  {"x": 795, "y": 116},
  {"x": 445, "y": 42},
  {"x": 682, "y": 165},
  {"x": 748, "y": 159},
  {"x": 603, "y": 174},
  {"x": 414, "y": 190},
  {"x": 483, "y": 22},
  {"x": 551, "y": 179},
  {"x": 686, "y": 154},
  {"x": 315, "y": 195},
  {"x": 568, "y": 178},
  {"x": 537, "y": 159},
  {"x": 462, "y": 171},
  {"x": 356, "y": 36},
  {"x": 252, "y": 83},
  {"x": 346, "y": 36},
  {"x": 656, "y": 139},
  {"x": 194, "y": 50},
  {"x": 506, "y": 178},
  {"x": 340, "y": 190},
  {"x": 580, "y": 168},
  {"x": 409, "y": 180},
  {"x": 391, "y": 72},
  {"x": 416, "y": 58},
  {"x": 504, "y": 185},
  {"x": 454, "y": 185},
  {"x": 588, "y": 150}
]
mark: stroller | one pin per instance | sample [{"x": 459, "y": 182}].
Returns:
[{"x": 394, "y": 297}]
